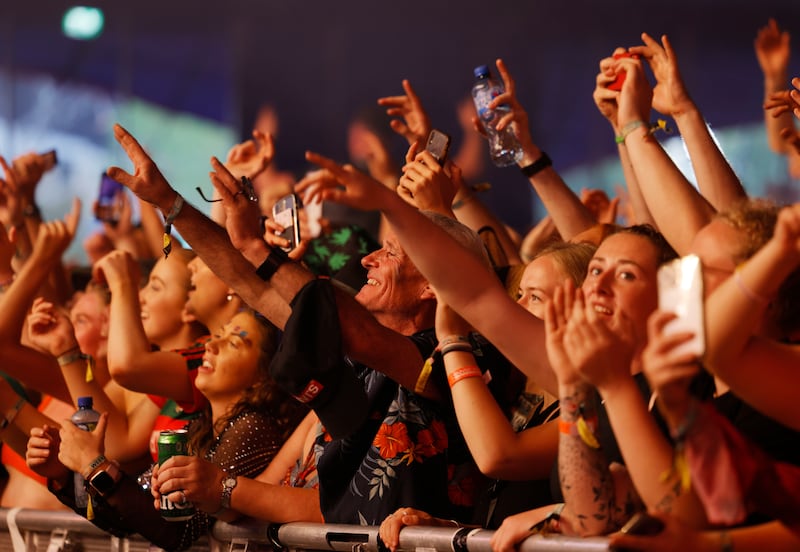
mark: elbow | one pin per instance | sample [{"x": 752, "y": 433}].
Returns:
[{"x": 122, "y": 373}]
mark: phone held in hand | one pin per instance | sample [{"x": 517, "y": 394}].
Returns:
[
  {"x": 438, "y": 145},
  {"x": 284, "y": 212},
  {"x": 680, "y": 290},
  {"x": 618, "y": 82},
  {"x": 108, "y": 200}
]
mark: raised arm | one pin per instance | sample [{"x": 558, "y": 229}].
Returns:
[
  {"x": 715, "y": 177},
  {"x": 131, "y": 361},
  {"x": 35, "y": 369},
  {"x": 773, "y": 53},
  {"x": 606, "y": 101},
  {"x": 757, "y": 369},
  {"x": 208, "y": 239},
  {"x": 665, "y": 189},
  {"x": 479, "y": 298},
  {"x": 569, "y": 215}
]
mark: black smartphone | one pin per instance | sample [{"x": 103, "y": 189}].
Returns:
[
  {"x": 108, "y": 204},
  {"x": 643, "y": 524},
  {"x": 284, "y": 212},
  {"x": 438, "y": 145}
]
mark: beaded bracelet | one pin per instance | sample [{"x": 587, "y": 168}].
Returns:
[{"x": 470, "y": 371}]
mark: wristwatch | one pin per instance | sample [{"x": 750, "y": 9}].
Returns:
[
  {"x": 228, "y": 484},
  {"x": 104, "y": 478}
]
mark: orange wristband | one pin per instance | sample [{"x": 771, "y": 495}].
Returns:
[{"x": 464, "y": 372}]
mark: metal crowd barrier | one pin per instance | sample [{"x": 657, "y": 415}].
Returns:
[
  {"x": 24, "y": 530},
  {"x": 243, "y": 535}
]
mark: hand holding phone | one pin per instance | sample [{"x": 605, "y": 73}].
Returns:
[
  {"x": 438, "y": 145},
  {"x": 680, "y": 290},
  {"x": 618, "y": 82},
  {"x": 285, "y": 214},
  {"x": 108, "y": 200}
]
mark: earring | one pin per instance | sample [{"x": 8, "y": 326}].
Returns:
[{"x": 229, "y": 298}]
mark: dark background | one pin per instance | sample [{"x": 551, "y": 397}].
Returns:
[{"x": 320, "y": 61}]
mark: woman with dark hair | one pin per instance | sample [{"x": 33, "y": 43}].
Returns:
[{"x": 246, "y": 421}]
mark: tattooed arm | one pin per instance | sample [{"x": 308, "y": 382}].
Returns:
[{"x": 587, "y": 483}]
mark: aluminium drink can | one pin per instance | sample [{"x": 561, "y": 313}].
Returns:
[{"x": 174, "y": 442}]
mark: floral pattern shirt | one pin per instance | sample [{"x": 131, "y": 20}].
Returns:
[{"x": 409, "y": 452}]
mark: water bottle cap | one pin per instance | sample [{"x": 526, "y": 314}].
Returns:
[
  {"x": 481, "y": 71},
  {"x": 85, "y": 402}
]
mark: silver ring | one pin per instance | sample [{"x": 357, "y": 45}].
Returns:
[{"x": 183, "y": 498}]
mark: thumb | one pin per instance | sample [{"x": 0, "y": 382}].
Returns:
[
  {"x": 100, "y": 430},
  {"x": 73, "y": 217}
]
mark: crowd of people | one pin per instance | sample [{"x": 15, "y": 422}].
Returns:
[{"x": 438, "y": 369}]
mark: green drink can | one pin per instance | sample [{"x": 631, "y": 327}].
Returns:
[{"x": 174, "y": 442}]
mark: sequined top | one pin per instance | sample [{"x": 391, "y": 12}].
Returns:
[{"x": 245, "y": 447}]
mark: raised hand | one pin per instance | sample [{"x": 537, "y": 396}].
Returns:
[
  {"x": 517, "y": 117},
  {"x": 116, "y": 267},
  {"x": 598, "y": 203},
  {"x": 28, "y": 170},
  {"x": 636, "y": 96},
  {"x": 42, "y": 453},
  {"x": 668, "y": 369},
  {"x": 779, "y": 103},
  {"x": 787, "y": 231},
  {"x": 199, "y": 480},
  {"x": 669, "y": 95},
  {"x": 557, "y": 313},
  {"x": 146, "y": 182},
  {"x": 11, "y": 201},
  {"x": 604, "y": 98},
  {"x": 242, "y": 215},
  {"x": 343, "y": 184},
  {"x": 600, "y": 350},
  {"x": 55, "y": 236},
  {"x": 426, "y": 185},
  {"x": 413, "y": 123},
  {"x": 772, "y": 51},
  {"x": 78, "y": 447},
  {"x": 251, "y": 156},
  {"x": 50, "y": 329}
]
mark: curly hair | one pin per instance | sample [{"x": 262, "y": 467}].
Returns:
[
  {"x": 264, "y": 396},
  {"x": 755, "y": 220}
]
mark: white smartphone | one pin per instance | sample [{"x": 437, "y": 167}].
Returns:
[
  {"x": 284, "y": 212},
  {"x": 680, "y": 290}
]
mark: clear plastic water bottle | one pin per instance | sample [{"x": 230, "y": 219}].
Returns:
[
  {"x": 85, "y": 418},
  {"x": 504, "y": 148}
]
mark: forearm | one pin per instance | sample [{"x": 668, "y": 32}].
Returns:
[
  {"x": 584, "y": 474},
  {"x": 715, "y": 177},
  {"x": 648, "y": 455},
  {"x": 275, "y": 503},
  {"x": 495, "y": 447},
  {"x": 571, "y": 217},
  {"x": 666, "y": 191},
  {"x": 641, "y": 213},
  {"x": 211, "y": 243},
  {"x": 774, "y": 125},
  {"x": 471, "y": 212},
  {"x": 733, "y": 311}
]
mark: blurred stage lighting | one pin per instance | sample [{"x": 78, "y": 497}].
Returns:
[{"x": 82, "y": 23}]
